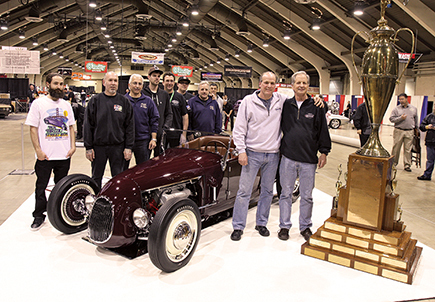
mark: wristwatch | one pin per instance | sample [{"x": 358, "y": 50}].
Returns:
[{"x": 154, "y": 139}]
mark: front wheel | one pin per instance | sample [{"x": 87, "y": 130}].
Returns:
[
  {"x": 335, "y": 123},
  {"x": 174, "y": 234},
  {"x": 66, "y": 204}
]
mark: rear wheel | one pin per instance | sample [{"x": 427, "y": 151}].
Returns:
[
  {"x": 66, "y": 203},
  {"x": 174, "y": 234},
  {"x": 335, "y": 123}
]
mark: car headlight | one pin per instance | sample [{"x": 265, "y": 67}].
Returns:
[
  {"x": 89, "y": 202},
  {"x": 140, "y": 218}
]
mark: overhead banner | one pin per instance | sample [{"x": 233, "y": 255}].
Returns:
[
  {"x": 92, "y": 66},
  {"x": 19, "y": 61},
  {"x": 147, "y": 58},
  {"x": 404, "y": 57},
  {"x": 211, "y": 76},
  {"x": 81, "y": 76},
  {"x": 182, "y": 71},
  {"x": 65, "y": 71},
  {"x": 238, "y": 71}
]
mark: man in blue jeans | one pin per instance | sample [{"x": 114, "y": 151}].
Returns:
[
  {"x": 257, "y": 138},
  {"x": 305, "y": 133}
]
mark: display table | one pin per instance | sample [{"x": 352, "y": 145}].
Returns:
[{"x": 49, "y": 266}]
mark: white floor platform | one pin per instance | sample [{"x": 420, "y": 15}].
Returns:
[{"x": 49, "y": 266}]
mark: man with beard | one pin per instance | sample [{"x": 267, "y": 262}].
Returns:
[
  {"x": 51, "y": 122},
  {"x": 146, "y": 120},
  {"x": 161, "y": 99},
  {"x": 183, "y": 84},
  {"x": 180, "y": 119},
  {"x": 205, "y": 114},
  {"x": 108, "y": 129}
]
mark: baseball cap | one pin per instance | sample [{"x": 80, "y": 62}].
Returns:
[
  {"x": 184, "y": 79},
  {"x": 154, "y": 69}
]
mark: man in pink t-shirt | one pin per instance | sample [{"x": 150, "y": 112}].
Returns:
[{"x": 51, "y": 122}]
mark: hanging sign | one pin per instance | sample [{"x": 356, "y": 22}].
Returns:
[
  {"x": 238, "y": 71},
  {"x": 92, "y": 66},
  {"x": 80, "y": 76},
  {"x": 147, "y": 58},
  {"x": 211, "y": 76},
  {"x": 64, "y": 71},
  {"x": 182, "y": 71},
  {"x": 19, "y": 61}
]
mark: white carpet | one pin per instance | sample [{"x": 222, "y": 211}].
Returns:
[{"x": 49, "y": 266}]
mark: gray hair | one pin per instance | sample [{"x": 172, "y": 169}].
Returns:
[
  {"x": 298, "y": 73},
  {"x": 134, "y": 75},
  {"x": 204, "y": 83},
  {"x": 276, "y": 77}
]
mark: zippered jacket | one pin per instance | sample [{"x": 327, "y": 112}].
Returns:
[
  {"x": 146, "y": 116},
  {"x": 430, "y": 136},
  {"x": 305, "y": 131},
  {"x": 258, "y": 128}
]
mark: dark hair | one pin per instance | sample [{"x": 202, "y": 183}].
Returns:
[
  {"x": 168, "y": 74},
  {"x": 50, "y": 77},
  {"x": 213, "y": 84},
  {"x": 404, "y": 95}
]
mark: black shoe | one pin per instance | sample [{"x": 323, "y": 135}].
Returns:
[
  {"x": 423, "y": 178},
  {"x": 236, "y": 235},
  {"x": 408, "y": 169},
  {"x": 262, "y": 230},
  {"x": 306, "y": 234},
  {"x": 283, "y": 234},
  {"x": 37, "y": 223}
]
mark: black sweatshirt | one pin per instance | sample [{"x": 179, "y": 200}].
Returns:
[
  {"x": 161, "y": 99},
  {"x": 109, "y": 120},
  {"x": 305, "y": 131}
]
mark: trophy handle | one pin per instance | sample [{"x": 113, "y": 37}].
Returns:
[
  {"x": 353, "y": 54},
  {"x": 412, "y": 51}
]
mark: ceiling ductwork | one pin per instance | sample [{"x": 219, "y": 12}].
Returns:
[
  {"x": 37, "y": 8},
  {"x": 208, "y": 39}
]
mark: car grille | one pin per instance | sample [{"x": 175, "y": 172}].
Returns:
[{"x": 100, "y": 225}]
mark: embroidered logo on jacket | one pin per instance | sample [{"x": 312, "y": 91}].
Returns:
[
  {"x": 211, "y": 107},
  {"x": 117, "y": 107},
  {"x": 309, "y": 115},
  {"x": 143, "y": 105}
]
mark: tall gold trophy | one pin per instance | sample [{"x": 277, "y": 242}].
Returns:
[{"x": 363, "y": 231}]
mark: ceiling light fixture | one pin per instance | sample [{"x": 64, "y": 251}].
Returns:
[
  {"x": 98, "y": 15},
  {"x": 211, "y": 63},
  {"x": 61, "y": 55},
  {"x": 194, "y": 10},
  {"x": 178, "y": 32},
  {"x": 266, "y": 42},
  {"x": 218, "y": 61},
  {"x": 174, "y": 39},
  {"x": 93, "y": 3},
  {"x": 54, "y": 52},
  {"x": 316, "y": 24},
  {"x": 250, "y": 48},
  {"x": 317, "y": 19},
  {"x": 103, "y": 26},
  {"x": 45, "y": 47},
  {"x": 35, "y": 41},
  {"x": 4, "y": 25},
  {"x": 185, "y": 22},
  {"x": 110, "y": 42},
  {"x": 237, "y": 54},
  {"x": 286, "y": 34},
  {"x": 358, "y": 9},
  {"x": 67, "y": 59},
  {"x": 21, "y": 34},
  {"x": 227, "y": 57}
]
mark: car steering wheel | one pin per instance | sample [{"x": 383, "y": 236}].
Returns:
[{"x": 215, "y": 146}]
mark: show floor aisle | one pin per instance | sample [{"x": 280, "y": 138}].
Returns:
[{"x": 49, "y": 266}]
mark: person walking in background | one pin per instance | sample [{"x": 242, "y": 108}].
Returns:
[
  {"x": 108, "y": 129},
  {"x": 361, "y": 122},
  {"x": 405, "y": 120},
  {"x": 228, "y": 112},
  {"x": 51, "y": 121},
  {"x": 146, "y": 120},
  {"x": 428, "y": 125},
  {"x": 32, "y": 94}
]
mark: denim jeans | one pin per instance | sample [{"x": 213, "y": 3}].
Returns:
[
  {"x": 289, "y": 171},
  {"x": 268, "y": 164},
  {"x": 430, "y": 150},
  {"x": 140, "y": 151}
]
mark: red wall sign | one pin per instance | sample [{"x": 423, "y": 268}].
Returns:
[{"x": 92, "y": 66}]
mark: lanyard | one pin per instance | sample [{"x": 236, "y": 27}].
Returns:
[{"x": 172, "y": 95}]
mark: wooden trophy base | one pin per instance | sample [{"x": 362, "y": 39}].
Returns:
[{"x": 381, "y": 247}]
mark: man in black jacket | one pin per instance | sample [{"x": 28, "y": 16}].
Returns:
[
  {"x": 161, "y": 99},
  {"x": 108, "y": 129},
  {"x": 428, "y": 124},
  {"x": 361, "y": 121},
  {"x": 305, "y": 133}
]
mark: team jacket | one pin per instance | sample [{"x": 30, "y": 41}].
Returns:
[
  {"x": 109, "y": 120},
  {"x": 146, "y": 117},
  {"x": 305, "y": 131},
  {"x": 205, "y": 116},
  {"x": 430, "y": 136}
]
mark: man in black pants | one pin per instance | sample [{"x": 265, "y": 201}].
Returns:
[
  {"x": 108, "y": 129},
  {"x": 51, "y": 122},
  {"x": 361, "y": 121},
  {"x": 161, "y": 99},
  {"x": 180, "y": 118}
]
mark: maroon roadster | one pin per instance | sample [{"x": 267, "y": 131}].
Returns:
[{"x": 161, "y": 202}]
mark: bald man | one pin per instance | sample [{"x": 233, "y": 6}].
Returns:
[{"x": 108, "y": 129}]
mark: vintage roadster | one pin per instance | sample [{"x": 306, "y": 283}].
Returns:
[{"x": 161, "y": 202}]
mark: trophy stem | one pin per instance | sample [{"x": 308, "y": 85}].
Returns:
[{"x": 373, "y": 146}]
